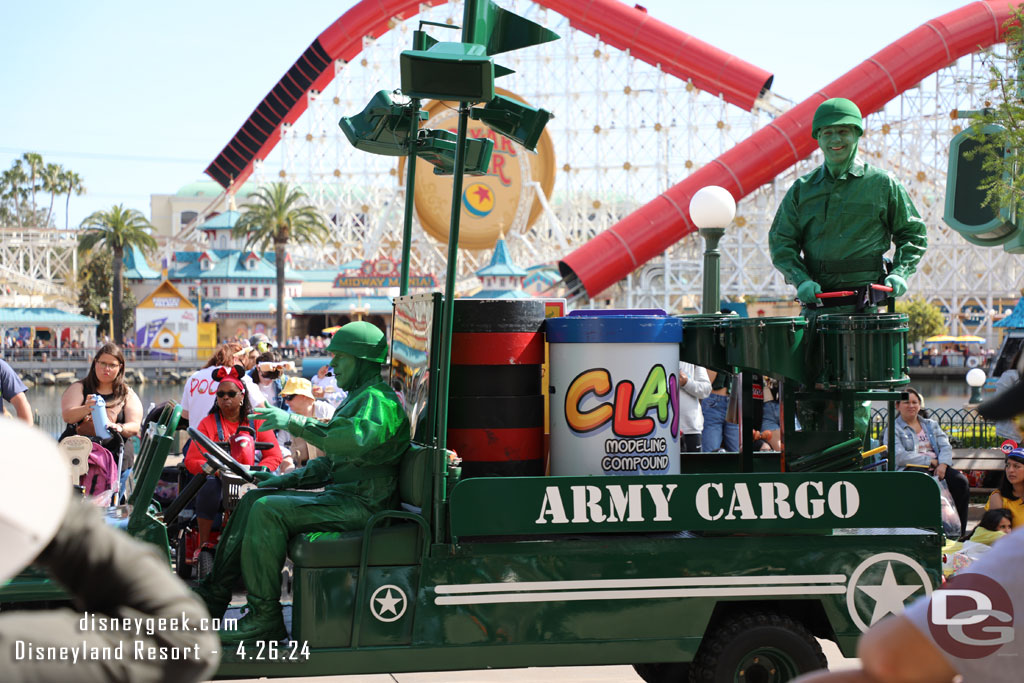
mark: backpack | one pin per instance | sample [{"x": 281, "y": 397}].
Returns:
[{"x": 102, "y": 475}]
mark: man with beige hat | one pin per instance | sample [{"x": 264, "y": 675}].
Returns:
[{"x": 298, "y": 394}]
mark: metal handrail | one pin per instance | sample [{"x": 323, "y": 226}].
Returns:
[{"x": 964, "y": 427}]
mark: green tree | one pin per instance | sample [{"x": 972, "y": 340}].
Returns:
[
  {"x": 1003, "y": 86},
  {"x": 926, "y": 319},
  {"x": 14, "y": 193},
  {"x": 51, "y": 176},
  {"x": 95, "y": 277},
  {"x": 276, "y": 216},
  {"x": 34, "y": 162},
  {"x": 116, "y": 230},
  {"x": 21, "y": 183},
  {"x": 70, "y": 182}
]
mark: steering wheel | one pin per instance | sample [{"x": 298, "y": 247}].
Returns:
[{"x": 216, "y": 456}]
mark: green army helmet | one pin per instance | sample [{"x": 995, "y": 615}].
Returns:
[
  {"x": 360, "y": 339},
  {"x": 837, "y": 111}
]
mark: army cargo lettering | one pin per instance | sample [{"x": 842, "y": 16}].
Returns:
[
  {"x": 608, "y": 503},
  {"x": 774, "y": 501}
]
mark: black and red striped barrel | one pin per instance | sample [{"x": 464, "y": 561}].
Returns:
[{"x": 495, "y": 399}]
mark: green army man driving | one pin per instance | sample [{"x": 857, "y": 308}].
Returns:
[
  {"x": 362, "y": 443},
  {"x": 836, "y": 223}
]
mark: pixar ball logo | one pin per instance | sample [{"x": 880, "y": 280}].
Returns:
[{"x": 478, "y": 199}]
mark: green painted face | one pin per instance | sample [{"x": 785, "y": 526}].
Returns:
[
  {"x": 344, "y": 366},
  {"x": 839, "y": 143}
]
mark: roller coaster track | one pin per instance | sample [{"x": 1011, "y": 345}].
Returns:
[{"x": 647, "y": 232}]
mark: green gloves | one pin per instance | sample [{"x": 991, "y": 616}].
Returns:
[
  {"x": 273, "y": 418},
  {"x": 898, "y": 284},
  {"x": 806, "y": 291}
]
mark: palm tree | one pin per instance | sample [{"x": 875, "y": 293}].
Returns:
[
  {"x": 70, "y": 182},
  {"x": 14, "y": 181},
  {"x": 35, "y": 166},
  {"x": 52, "y": 176},
  {"x": 116, "y": 230},
  {"x": 277, "y": 215}
]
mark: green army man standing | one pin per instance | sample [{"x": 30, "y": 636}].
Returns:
[
  {"x": 362, "y": 443},
  {"x": 836, "y": 223}
]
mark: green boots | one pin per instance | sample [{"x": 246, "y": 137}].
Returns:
[
  {"x": 263, "y": 621},
  {"x": 215, "y": 599}
]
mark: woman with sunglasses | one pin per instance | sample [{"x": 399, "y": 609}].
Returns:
[
  {"x": 124, "y": 408},
  {"x": 229, "y": 412},
  {"x": 200, "y": 392},
  {"x": 269, "y": 382}
]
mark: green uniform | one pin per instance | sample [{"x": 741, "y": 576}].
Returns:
[
  {"x": 834, "y": 231},
  {"x": 112, "y": 577},
  {"x": 362, "y": 446}
]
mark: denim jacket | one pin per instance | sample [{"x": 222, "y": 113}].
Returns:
[{"x": 906, "y": 443}]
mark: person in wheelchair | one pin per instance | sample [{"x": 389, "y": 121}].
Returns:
[
  {"x": 362, "y": 443},
  {"x": 229, "y": 412}
]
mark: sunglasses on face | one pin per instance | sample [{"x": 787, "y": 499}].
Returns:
[
  {"x": 289, "y": 397},
  {"x": 227, "y": 394}
]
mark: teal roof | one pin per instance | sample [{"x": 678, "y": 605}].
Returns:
[
  {"x": 222, "y": 221},
  {"x": 245, "y": 305},
  {"x": 32, "y": 317},
  {"x": 340, "y": 304},
  {"x": 318, "y": 275},
  {"x": 1015, "y": 319},
  {"x": 208, "y": 188},
  {"x": 500, "y": 294},
  {"x": 303, "y": 305},
  {"x": 228, "y": 264},
  {"x": 501, "y": 263},
  {"x": 544, "y": 274},
  {"x": 135, "y": 266}
]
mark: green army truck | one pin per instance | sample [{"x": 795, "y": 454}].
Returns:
[{"x": 721, "y": 572}]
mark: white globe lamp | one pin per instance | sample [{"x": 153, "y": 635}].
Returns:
[{"x": 711, "y": 209}]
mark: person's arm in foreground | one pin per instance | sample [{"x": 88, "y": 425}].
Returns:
[
  {"x": 110, "y": 576},
  {"x": 892, "y": 651},
  {"x": 22, "y": 407}
]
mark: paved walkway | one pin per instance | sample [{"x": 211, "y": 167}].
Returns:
[{"x": 563, "y": 674}]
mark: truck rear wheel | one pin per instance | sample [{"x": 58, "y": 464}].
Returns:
[
  {"x": 670, "y": 672},
  {"x": 756, "y": 647}
]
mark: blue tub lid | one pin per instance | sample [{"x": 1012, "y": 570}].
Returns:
[{"x": 615, "y": 327}]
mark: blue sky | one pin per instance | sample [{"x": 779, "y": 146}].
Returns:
[{"x": 138, "y": 97}]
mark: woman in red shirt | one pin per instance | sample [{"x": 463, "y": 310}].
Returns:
[{"x": 229, "y": 411}]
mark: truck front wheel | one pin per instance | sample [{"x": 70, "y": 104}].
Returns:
[{"x": 756, "y": 647}]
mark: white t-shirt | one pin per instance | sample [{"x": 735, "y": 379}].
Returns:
[
  {"x": 697, "y": 387},
  {"x": 201, "y": 391}
]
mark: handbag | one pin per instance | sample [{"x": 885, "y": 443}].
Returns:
[{"x": 950, "y": 519}]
